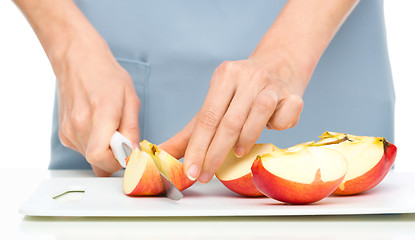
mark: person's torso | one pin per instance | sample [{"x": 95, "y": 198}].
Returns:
[{"x": 171, "y": 48}]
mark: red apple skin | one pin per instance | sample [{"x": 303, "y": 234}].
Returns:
[
  {"x": 288, "y": 191},
  {"x": 178, "y": 178},
  {"x": 150, "y": 183},
  {"x": 373, "y": 177},
  {"x": 243, "y": 185}
]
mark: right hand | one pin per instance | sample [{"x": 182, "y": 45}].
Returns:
[{"x": 96, "y": 97}]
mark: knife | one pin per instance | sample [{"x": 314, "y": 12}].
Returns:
[{"x": 122, "y": 147}]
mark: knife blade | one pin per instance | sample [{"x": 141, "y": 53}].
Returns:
[{"x": 122, "y": 148}]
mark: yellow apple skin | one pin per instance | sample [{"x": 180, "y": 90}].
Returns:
[
  {"x": 371, "y": 178},
  {"x": 243, "y": 185},
  {"x": 177, "y": 176},
  {"x": 351, "y": 148},
  {"x": 150, "y": 183},
  {"x": 289, "y": 191},
  {"x": 168, "y": 165}
]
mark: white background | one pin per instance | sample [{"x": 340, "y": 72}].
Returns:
[{"x": 27, "y": 88}]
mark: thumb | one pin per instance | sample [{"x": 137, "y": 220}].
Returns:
[
  {"x": 129, "y": 120},
  {"x": 176, "y": 146}
]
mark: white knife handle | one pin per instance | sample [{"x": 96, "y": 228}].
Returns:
[{"x": 118, "y": 141}]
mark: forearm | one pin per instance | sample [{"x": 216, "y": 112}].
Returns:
[
  {"x": 96, "y": 96},
  {"x": 300, "y": 34},
  {"x": 59, "y": 26}
]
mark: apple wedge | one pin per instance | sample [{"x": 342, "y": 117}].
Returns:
[
  {"x": 168, "y": 165},
  {"x": 299, "y": 175},
  {"x": 141, "y": 176},
  {"x": 369, "y": 160},
  {"x": 235, "y": 172}
]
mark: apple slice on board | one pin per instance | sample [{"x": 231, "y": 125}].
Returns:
[
  {"x": 369, "y": 160},
  {"x": 235, "y": 172},
  {"x": 168, "y": 165},
  {"x": 300, "y": 174},
  {"x": 141, "y": 176}
]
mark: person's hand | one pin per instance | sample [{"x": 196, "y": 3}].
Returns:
[
  {"x": 96, "y": 95},
  {"x": 96, "y": 98},
  {"x": 264, "y": 90},
  {"x": 244, "y": 96}
]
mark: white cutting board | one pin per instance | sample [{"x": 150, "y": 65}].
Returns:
[{"x": 104, "y": 197}]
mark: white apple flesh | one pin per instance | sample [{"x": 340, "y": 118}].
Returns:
[
  {"x": 141, "y": 176},
  {"x": 369, "y": 160},
  {"x": 301, "y": 174},
  {"x": 168, "y": 165}
]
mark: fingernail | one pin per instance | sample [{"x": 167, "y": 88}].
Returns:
[
  {"x": 239, "y": 151},
  {"x": 204, "y": 178},
  {"x": 192, "y": 172},
  {"x": 135, "y": 145}
]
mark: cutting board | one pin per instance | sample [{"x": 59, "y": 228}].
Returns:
[{"x": 104, "y": 197}]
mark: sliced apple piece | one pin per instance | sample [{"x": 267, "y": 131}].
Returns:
[
  {"x": 369, "y": 160},
  {"x": 150, "y": 148},
  {"x": 235, "y": 172},
  {"x": 299, "y": 175},
  {"x": 168, "y": 165},
  {"x": 141, "y": 176}
]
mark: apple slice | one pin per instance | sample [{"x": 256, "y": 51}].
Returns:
[
  {"x": 299, "y": 175},
  {"x": 235, "y": 172},
  {"x": 369, "y": 159},
  {"x": 141, "y": 176},
  {"x": 168, "y": 165}
]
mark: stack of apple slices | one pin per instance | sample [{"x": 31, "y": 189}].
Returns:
[
  {"x": 339, "y": 163},
  {"x": 142, "y": 177}
]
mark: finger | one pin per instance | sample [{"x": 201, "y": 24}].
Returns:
[
  {"x": 100, "y": 173},
  {"x": 129, "y": 120},
  {"x": 227, "y": 134},
  {"x": 287, "y": 113},
  {"x": 80, "y": 118},
  {"x": 177, "y": 145},
  {"x": 98, "y": 152},
  {"x": 262, "y": 110},
  {"x": 63, "y": 128},
  {"x": 213, "y": 109},
  {"x": 68, "y": 137},
  {"x": 67, "y": 131},
  {"x": 66, "y": 142}
]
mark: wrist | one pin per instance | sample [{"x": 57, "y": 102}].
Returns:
[
  {"x": 287, "y": 66},
  {"x": 75, "y": 47},
  {"x": 298, "y": 37},
  {"x": 62, "y": 29}
]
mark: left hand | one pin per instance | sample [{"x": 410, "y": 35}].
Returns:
[
  {"x": 263, "y": 90},
  {"x": 244, "y": 96}
]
